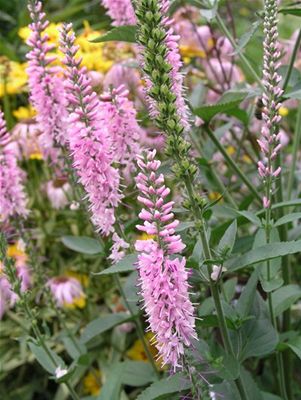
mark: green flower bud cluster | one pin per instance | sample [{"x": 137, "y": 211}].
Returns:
[{"x": 151, "y": 34}]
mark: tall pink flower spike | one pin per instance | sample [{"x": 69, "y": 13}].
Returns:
[
  {"x": 270, "y": 136},
  {"x": 13, "y": 198},
  {"x": 163, "y": 278},
  {"x": 89, "y": 139},
  {"x": 121, "y": 11},
  {"x": 45, "y": 83}
]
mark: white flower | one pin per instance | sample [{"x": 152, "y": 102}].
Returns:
[
  {"x": 216, "y": 271},
  {"x": 60, "y": 372}
]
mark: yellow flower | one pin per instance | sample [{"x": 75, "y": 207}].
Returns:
[
  {"x": 283, "y": 111},
  {"x": 92, "y": 53},
  {"x": 190, "y": 52},
  {"x": 83, "y": 278},
  {"x": 16, "y": 250},
  {"x": 215, "y": 196},
  {"x": 78, "y": 302},
  {"x": 137, "y": 352},
  {"x": 52, "y": 31},
  {"x": 244, "y": 11},
  {"x": 92, "y": 382},
  {"x": 36, "y": 156},
  {"x": 13, "y": 77},
  {"x": 246, "y": 159},
  {"x": 145, "y": 236},
  {"x": 230, "y": 150},
  {"x": 24, "y": 112}
]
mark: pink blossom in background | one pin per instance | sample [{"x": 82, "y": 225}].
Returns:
[
  {"x": 120, "y": 11},
  {"x": 118, "y": 115},
  {"x": 7, "y": 297},
  {"x": 26, "y": 137},
  {"x": 118, "y": 248},
  {"x": 65, "y": 290},
  {"x": 90, "y": 143},
  {"x": 57, "y": 193},
  {"x": 163, "y": 279},
  {"x": 222, "y": 71},
  {"x": 45, "y": 84},
  {"x": 13, "y": 200},
  {"x": 121, "y": 74}
]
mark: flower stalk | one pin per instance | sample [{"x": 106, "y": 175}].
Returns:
[
  {"x": 151, "y": 36},
  {"x": 269, "y": 142}
]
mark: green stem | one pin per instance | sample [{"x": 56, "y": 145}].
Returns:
[
  {"x": 292, "y": 61},
  {"x": 244, "y": 60},
  {"x": 296, "y": 147},
  {"x": 232, "y": 164},
  {"x": 286, "y": 275},
  {"x": 138, "y": 326},
  {"x": 213, "y": 287},
  {"x": 219, "y": 183}
]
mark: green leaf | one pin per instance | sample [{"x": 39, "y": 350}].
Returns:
[
  {"x": 257, "y": 337},
  {"x": 247, "y": 36},
  {"x": 229, "y": 289},
  {"x": 284, "y": 297},
  {"x": 260, "y": 338},
  {"x": 273, "y": 281},
  {"x": 124, "y": 33},
  {"x": 211, "y": 321},
  {"x": 251, "y": 217},
  {"x": 226, "y": 243},
  {"x": 288, "y": 218},
  {"x": 295, "y": 345},
  {"x": 112, "y": 387},
  {"x": 230, "y": 367},
  {"x": 263, "y": 253},
  {"x": 229, "y": 101},
  {"x": 102, "y": 324},
  {"x": 127, "y": 264},
  {"x": 294, "y": 93},
  {"x": 137, "y": 373},
  {"x": 183, "y": 226},
  {"x": 75, "y": 350},
  {"x": 272, "y": 284},
  {"x": 269, "y": 396},
  {"x": 45, "y": 359},
  {"x": 246, "y": 298},
  {"x": 82, "y": 244},
  {"x": 173, "y": 384},
  {"x": 291, "y": 11}
]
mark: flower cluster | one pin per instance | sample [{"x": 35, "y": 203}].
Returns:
[
  {"x": 162, "y": 276},
  {"x": 8, "y": 297},
  {"x": 162, "y": 61},
  {"x": 89, "y": 139},
  {"x": 121, "y": 11},
  {"x": 118, "y": 114},
  {"x": 67, "y": 291},
  {"x": 13, "y": 199},
  {"x": 270, "y": 136},
  {"x": 45, "y": 82}
]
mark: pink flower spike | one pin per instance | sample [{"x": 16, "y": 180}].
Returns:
[
  {"x": 45, "y": 85},
  {"x": 163, "y": 281},
  {"x": 90, "y": 142},
  {"x": 13, "y": 200},
  {"x": 121, "y": 11}
]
